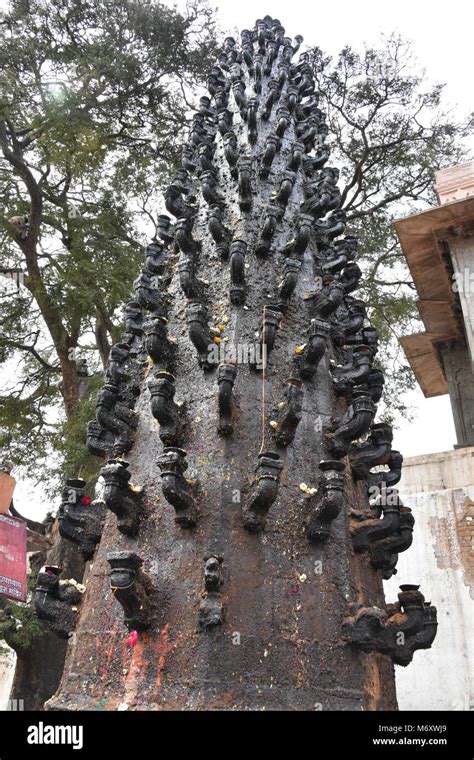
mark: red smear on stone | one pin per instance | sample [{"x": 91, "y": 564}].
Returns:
[{"x": 132, "y": 639}]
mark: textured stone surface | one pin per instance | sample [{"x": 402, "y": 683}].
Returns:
[{"x": 281, "y": 643}]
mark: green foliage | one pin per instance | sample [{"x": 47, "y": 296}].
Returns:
[
  {"x": 92, "y": 106},
  {"x": 70, "y": 443},
  {"x": 388, "y": 134},
  {"x": 91, "y": 122},
  {"x": 19, "y": 624}
]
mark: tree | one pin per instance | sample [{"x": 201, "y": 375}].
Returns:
[
  {"x": 18, "y": 623},
  {"x": 89, "y": 122},
  {"x": 89, "y": 127},
  {"x": 81, "y": 112},
  {"x": 246, "y": 556},
  {"x": 389, "y": 134}
]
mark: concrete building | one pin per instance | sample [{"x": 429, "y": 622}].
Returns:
[
  {"x": 439, "y": 248},
  {"x": 7, "y": 671},
  {"x": 439, "y": 489}
]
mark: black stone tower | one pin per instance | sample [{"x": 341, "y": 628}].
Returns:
[{"x": 243, "y": 568}]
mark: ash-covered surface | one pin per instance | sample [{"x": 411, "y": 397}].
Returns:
[{"x": 281, "y": 643}]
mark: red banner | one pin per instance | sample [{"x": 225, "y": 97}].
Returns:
[{"x": 13, "y": 558}]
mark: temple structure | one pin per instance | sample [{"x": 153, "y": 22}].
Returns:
[
  {"x": 439, "y": 248},
  {"x": 240, "y": 563}
]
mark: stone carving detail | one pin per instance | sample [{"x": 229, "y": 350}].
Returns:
[
  {"x": 311, "y": 353},
  {"x": 226, "y": 375},
  {"x": 146, "y": 292},
  {"x": 268, "y": 327},
  {"x": 353, "y": 424},
  {"x": 57, "y": 601},
  {"x": 287, "y": 415},
  {"x": 183, "y": 235},
  {"x": 244, "y": 167},
  {"x": 231, "y": 153},
  {"x": 133, "y": 320},
  {"x": 304, "y": 227},
  {"x": 327, "y": 300},
  {"x": 370, "y": 530},
  {"x": 117, "y": 371},
  {"x": 397, "y": 631},
  {"x": 390, "y": 477},
  {"x": 291, "y": 269},
  {"x": 156, "y": 340},
  {"x": 119, "y": 496},
  {"x": 384, "y": 553},
  {"x": 329, "y": 499},
  {"x": 99, "y": 441},
  {"x": 163, "y": 407},
  {"x": 178, "y": 491},
  {"x": 272, "y": 214},
  {"x": 238, "y": 250},
  {"x": 199, "y": 333},
  {"x": 218, "y": 231},
  {"x": 265, "y": 491},
  {"x": 271, "y": 147},
  {"x": 155, "y": 258},
  {"x": 253, "y": 104},
  {"x": 357, "y": 372},
  {"x": 131, "y": 588},
  {"x": 165, "y": 229},
  {"x": 384, "y": 533},
  {"x": 116, "y": 417},
  {"x": 211, "y": 609},
  {"x": 286, "y": 187},
  {"x": 209, "y": 189},
  {"x": 255, "y": 210},
  {"x": 80, "y": 519},
  {"x": 375, "y": 450},
  {"x": 376, "y": 384}
]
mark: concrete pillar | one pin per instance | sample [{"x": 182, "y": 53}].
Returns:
[
  {"x": 462, "y": 256},
  {"x": 460, "y": 380}
]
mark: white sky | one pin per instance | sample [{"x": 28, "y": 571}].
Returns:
[
  {"x": 441, "y": 32},
  {"x": 442, "y": 41}
]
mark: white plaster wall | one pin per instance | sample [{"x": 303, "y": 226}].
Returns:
[
  {"x": 437, "y": 488},
  {"x": 7, "y": 670}
]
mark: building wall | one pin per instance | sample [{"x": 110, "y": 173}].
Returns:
[
  {"x": 462, "y": 256},
  {"x": 440, "y": 490},
  {"x": 7, "y": 670}
]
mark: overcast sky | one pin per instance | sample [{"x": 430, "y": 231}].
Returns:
[
  {"x": 441, "y": 33},
  {"x": 442, "y": 40}
]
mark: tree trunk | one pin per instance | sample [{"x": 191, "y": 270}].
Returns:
[
  {"x": 250, "y": 578},
  {"x": 63, "y": 344},
  {"x": 38, "y": 671},
  {"x": 70, "y": 383}
]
